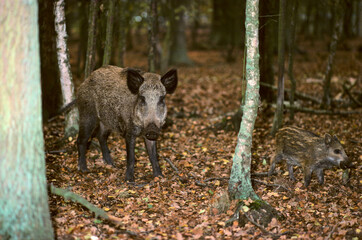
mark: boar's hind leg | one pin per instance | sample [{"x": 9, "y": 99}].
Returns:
[
  {"x": 152, "y": 153},
  {"x": 102, "y": 136},
  {"x": 291, "y": 173},
  {"x": 86, "y": 128}
]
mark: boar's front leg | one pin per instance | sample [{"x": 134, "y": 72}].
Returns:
[
  {"x": 307, "y": 176},
  {"x": 130, "y": 146},
  {"x": 320, "y": 175},
  {"x": 152, "y": 153}
]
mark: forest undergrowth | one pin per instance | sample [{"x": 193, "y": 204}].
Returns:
[{"x": 178, "y": 206}]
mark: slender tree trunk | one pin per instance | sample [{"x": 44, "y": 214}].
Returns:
[
  {"x": 51, "y": 91},
  {"x": 24, "y": 211},
  {"x": 337, "y": 30},
  {"x": 71, "y": 118},
  {"x": 293, "y": 19},
  {"x": 152, "y": 32},
  {"x": 122, "y": 32},
  {"x": 278, "y": 117},
  {"x": 240, "y": 184},
  {"x": 108, "y": 45},
  {"x": 91, "y": 45}
]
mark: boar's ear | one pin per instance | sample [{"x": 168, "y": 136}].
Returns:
[
  {"x": 134, "y": 80},
  {"x": 169, "y": 80},
  {"x": 327, "y": 138},
  {"x": 335, "y": 138}
]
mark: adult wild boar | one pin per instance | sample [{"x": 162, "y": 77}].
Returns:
[{"x": 128, "y": 101}]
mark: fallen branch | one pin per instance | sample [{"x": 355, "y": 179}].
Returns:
[
  {"x": 322, "y": 111},
  {"x": 347, "y": 90},
  {"x": 78, "y": 199},
  {"x": 182, "y": 179},
  {"x": 271, "y": 184},
  {"x": 255, "y": 223},
  {"x": 296, "y": 94}
]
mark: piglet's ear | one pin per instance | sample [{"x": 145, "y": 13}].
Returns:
[
  {"x": 327, "y": 139},
  {"x": 169, "y": 80},
  {"x": 134, "y": 80}
]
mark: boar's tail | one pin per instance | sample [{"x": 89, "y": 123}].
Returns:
[{"x": 67, "y": 107}]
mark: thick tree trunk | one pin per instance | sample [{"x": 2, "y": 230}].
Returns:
[
  {"x": 178, "y": 46},
  {"x": 51, "y": 91},
  {"x": 24, "y": 211},
  {"x": 337, "y": 30},
  {"x": 109, "y": 33},
  {"x": 71, "y": 118},
  {"x": 240, "y": 184},
  {"x": 278, "y": 117},
  {"x": 91, "y": 45}
]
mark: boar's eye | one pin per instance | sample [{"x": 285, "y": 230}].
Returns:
[
  {"x": 143, "y": 99},
  {"x": 337, "y": 151},
  {"x": 162, "y": 99}
]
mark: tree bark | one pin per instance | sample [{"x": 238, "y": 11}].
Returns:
[
  {"x": 293, "y": 19},
  {"x": 109, "y": 30},
  {"x": 278, "y": 117},
  {"x": 122, "y": 32},
  {"x": 178, "y": 47},
  {"x": 240, "y": 183},
  {"x": 337, "y": 30},
  {"x": 91, "y": 45},
  {"x": 71, "y": 118},
  {"x": 152, "y": 37},
  {"x": 24, "y": 211},
  {"x": 51, "y": 90}
]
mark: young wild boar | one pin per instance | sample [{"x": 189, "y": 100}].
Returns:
[
  {"x": 308, "y": 150},
  {"x": 128, "y": 101}
]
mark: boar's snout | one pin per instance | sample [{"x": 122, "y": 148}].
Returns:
[{"x": 152, "y": 132}]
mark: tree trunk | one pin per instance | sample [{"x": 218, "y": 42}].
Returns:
[
  {"x": 291, "y": 46},
  {"x": 91, "y": 45},
  {"x": 24, "y": 211},
  {"x": 71, "y": 118},
  {"x": 51, "y": 91},
  {"x": 337, "y": 30},
  {"x": 122, "y": 32},
  {"x": 267, "y": 38},
  {"x": 278, "y": 117},
  {"x": 152, "y": 36},
  {"x": 240, "y": 184},
  {"x": 178, "y": 47},
  {"x": 108, "y": 44}
]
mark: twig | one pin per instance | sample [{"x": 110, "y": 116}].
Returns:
[
  {"x": 56, "y": 151},
  {"x": 346, "y": 89},
  {"x": 297, "y": 94},
  {"x": 172, "y": 165},
  {"x": 216, "y": 178},
  {"x": 322, "y": 112},
  {"x": 255, "y": 223},
  {"x": 76, "y": 198},
  {"x": 271, "y": 184},
  {"x": 332, "y": 231}
]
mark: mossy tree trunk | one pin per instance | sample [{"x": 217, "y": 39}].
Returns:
[
  {"x": 109, "y": 33},
  {"x": 71, "y": 119},
  {"x": 278, "y": 117},
  {"x": 24, "y": 210},
  {"x": 91, "y": 44},
  {"x": 240, "y": 183}
]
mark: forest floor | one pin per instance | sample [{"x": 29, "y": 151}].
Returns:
[{"x": 168, "y": 208}]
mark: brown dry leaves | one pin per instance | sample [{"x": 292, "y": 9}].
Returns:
[{"x": 167, "y": 208}]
